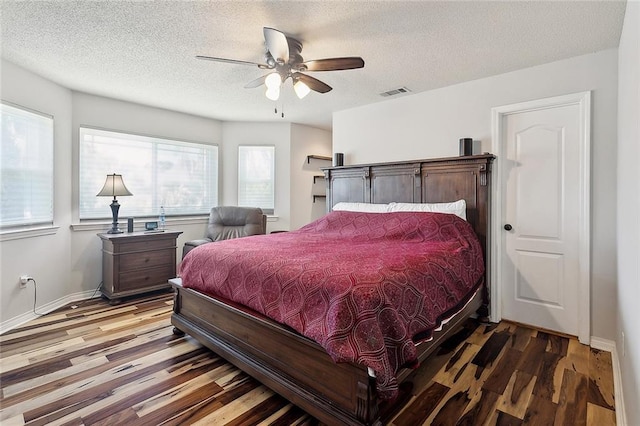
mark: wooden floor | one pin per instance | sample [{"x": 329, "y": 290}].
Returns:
[{"x": 105, "y": 365}]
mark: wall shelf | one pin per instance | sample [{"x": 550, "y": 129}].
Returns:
[
  {"x": 317, "y": 157},
  {"x": 316, "y": 177}
]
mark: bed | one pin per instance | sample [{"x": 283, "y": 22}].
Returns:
[{"x": 290, "y": 355}]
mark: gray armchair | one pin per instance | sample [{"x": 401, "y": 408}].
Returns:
[{"x": 228, "y": 222}]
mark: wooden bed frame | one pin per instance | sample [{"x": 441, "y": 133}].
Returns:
[{"x": 298, "y": 368}]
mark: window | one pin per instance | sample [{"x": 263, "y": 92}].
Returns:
[
  {"x": 180, "y": 176},
  {"x": 26, "y": 168},
  {"x": 256, "y": 177}
]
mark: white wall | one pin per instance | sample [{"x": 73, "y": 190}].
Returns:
[
  {"x": 430, "y": 124},
  {"x": 307, "y": 141},
  {"x": 242, "y": 133},
  {"x": 627, "y": 209},
  {"x": 46, "y": 258}
]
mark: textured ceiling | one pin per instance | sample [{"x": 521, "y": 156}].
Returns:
[{"x": 144, "y": 51}]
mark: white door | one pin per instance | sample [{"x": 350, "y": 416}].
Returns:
[{"x": 542, "y": 186}]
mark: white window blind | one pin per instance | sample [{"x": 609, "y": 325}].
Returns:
[
  {"x": 180, "y": 176},
  {"x": 256, "y": 177},
  {"x": 26, "y": 168}
]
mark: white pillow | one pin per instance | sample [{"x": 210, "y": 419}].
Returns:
[
  {"x": 361, "y": 207},
  {"x": 459, "y": 208}
]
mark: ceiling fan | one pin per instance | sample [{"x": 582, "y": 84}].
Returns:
[{"x": 283, "y": 57}]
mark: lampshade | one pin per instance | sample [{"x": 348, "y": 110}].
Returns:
[
  {"x": 113, "y": 187},
  {"x": 301, "y": 89}
]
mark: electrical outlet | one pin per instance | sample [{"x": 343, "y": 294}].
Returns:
[{"x": 24, "y": 279}]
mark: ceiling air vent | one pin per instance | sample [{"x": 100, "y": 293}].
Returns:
[{"x": 395, "y": 92}]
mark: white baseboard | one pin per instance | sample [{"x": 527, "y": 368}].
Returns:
[
  {"x": 610, "y": 346},
  {"x": 45, "y": 309}
]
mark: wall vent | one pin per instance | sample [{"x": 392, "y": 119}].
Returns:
[{"x": 395, "y": 92}]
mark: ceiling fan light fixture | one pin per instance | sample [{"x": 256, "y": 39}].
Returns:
[
  {"x": 273, "y": 81},
  {"x": 301, "y": 89},
  {"x": 273, "y": 93}
]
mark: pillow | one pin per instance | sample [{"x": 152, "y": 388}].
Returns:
[
  {"x": 459, "y": 208},
  {"x": 361, "y": 207}
]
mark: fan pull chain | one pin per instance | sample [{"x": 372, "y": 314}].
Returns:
[{"x": 275, "y": 110}]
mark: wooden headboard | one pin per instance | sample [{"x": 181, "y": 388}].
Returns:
[{"x": 438, "y": 180}]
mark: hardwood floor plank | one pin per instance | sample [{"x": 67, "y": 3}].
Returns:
[
  {"x": 127, "y": 416},
  {"x": 540, "y": 412},
  {"x": 421, "y": 407},
  {"x": 291, "y": 416},
  {"x": 490, "y": 350},
  {"x": 578, "y": 357},
  {"x": 499, "y": 378},
  {"x": 532, "y": 356},
  {"x": 572, "y": 406},
  {"x": 516, "y": 403},
  {"x": 236, "y": 407},
  {"x": 479, "y": 409},
  {"x": 456, "y": 356},
  {"x": 451, "y": 410},
  {"x": 600, "y": 379},
  {"x": 105, "y": 365},
  {"x": 505, "y": 419},
  {"x": 558, "y": 345},
  {"x": 451, "y": 372},
  {"x": 521, "y": 337},
  {"x": 545, "y": 384},
  {"x": 600, "y": 416},
  {"x": 263, "y": 410}
]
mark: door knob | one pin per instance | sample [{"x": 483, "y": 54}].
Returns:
[{"x": 508, "y": 227}]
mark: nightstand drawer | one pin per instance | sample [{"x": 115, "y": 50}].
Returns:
[
  {"x": 147, "y": 259},
  {"x": 146, "y": 277},
  {"x": 147, "y": 245}
]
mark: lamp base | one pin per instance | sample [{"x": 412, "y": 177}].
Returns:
[{"x": 115, "y": 206}]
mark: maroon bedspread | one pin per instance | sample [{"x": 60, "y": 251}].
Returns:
[{"x": 362, "y": 285}]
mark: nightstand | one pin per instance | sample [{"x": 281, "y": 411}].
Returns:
[{"x": 137, "y": 262}]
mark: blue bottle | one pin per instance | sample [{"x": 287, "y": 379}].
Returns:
[{"x": 162, "y": 220}]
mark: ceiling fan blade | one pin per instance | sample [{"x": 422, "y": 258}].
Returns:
[
  {"x": 334, "y": 64},
  {"x": 313, "y": 83},
  {"x": 256, "y": 83},
  {"x": 277, "y": 44},
  {"x": 232, "y": 61}
]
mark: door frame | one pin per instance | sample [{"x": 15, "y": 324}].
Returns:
[{"x": 498, "y": 116}]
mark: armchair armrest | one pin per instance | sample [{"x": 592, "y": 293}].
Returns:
[{"x": 190, "y": 245}]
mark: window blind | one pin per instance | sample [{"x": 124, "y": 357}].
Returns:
[
  {"x": 256, "y": 177},
  {"x": 180, "y": 176},
  {"x": 26, "y": 168}
]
